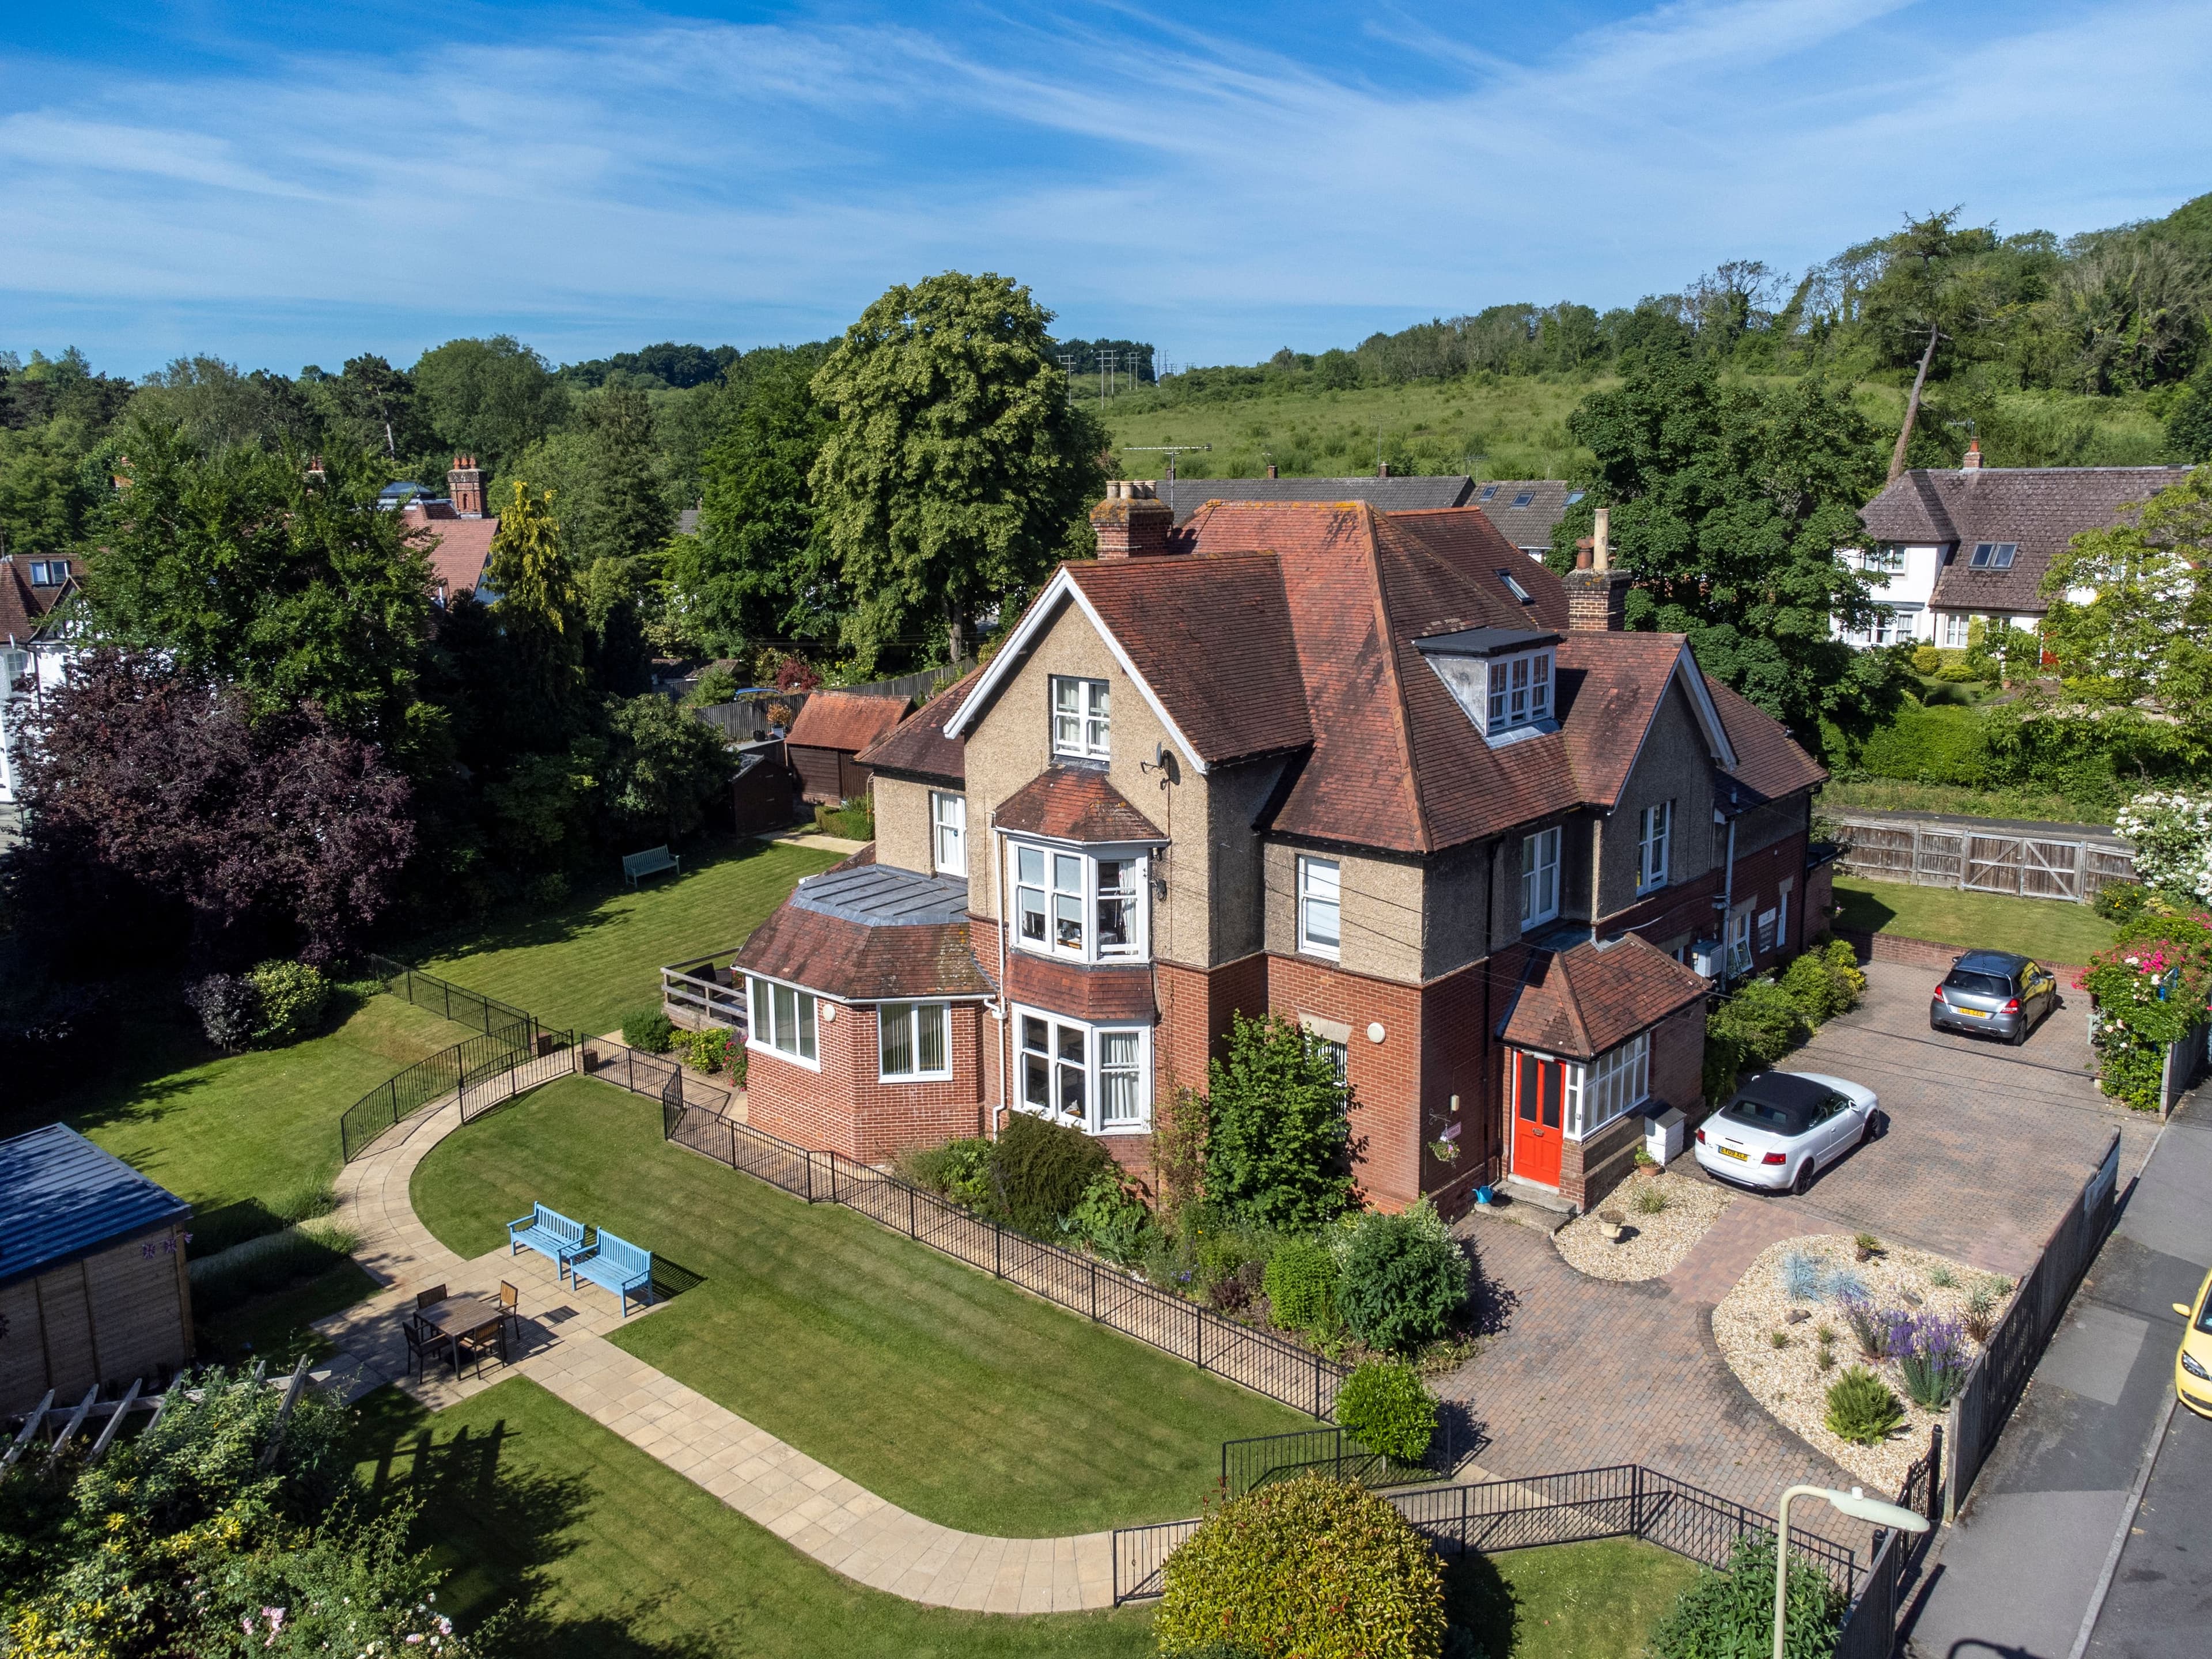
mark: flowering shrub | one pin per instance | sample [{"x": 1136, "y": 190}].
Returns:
[
  {"x": 1933, "y": 1358},
  {"x": 2148, "y": 993},
  {"x": 2172, "y": 834}
]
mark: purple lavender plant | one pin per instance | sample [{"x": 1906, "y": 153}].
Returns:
[
  {"x": 1873, "y": 1327},
  {"x": 1931, "y": 1353}
]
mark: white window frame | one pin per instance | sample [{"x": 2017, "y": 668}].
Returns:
[
  {"x": 1082, "y": 718},
  {"x": 1519, "y": 691},
  {"x": 1069, "y": 880},
  {"x": 1609, "y": 1087},
  {"x": 1739, "y": 942},
  {"x": 1540, "y": 877},
  {"x": 1655, "y": 830},
  {"x": 1883, "y": 558},
  {"x": 948, "y": 833},
  {"x": 912, "y": 1016},
  {"x": 1782, "y": 912},
  {"x": 1104, "y": 1054},
  {"x": 1320, "y": 891},
  {"x": 762, "y": 1015},
  {"x": 1957, "y": 628}
]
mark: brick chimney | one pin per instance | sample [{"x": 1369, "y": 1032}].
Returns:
[
  {"x": 1971, "y": 461},
  {"x": 1597, "y": 594},
  {"x": 464, "y": 484},
  {"x": 1133, "y": 521},
  {"x": 1271, "y": 469},
  {"x": 1382, "y": 469}
]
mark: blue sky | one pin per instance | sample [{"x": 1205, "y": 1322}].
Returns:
[{"x": 283, "y": 183}]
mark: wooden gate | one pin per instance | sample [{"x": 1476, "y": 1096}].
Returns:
[{"x": 1961, "y": 856}]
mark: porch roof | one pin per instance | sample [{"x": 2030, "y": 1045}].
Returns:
[{"x": 1581, "y": 1002}]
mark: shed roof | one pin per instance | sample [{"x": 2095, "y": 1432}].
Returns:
[
  {"x": 845, "y": 720},
  {"x": 61, "y": 1197}
]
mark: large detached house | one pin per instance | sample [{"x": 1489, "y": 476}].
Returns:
[
  {"x": 1952, "y": 548},
  {"x": 1374, "y": 772},
  {"x": 36, "y": 648}
]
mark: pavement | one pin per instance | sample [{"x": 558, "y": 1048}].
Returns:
[
  {"x": 2021, "y": 1571},
  {"x": 562, "y": 1344}
]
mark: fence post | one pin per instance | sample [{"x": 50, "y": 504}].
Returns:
[
  {"x": 1198, "y": 1338},
  {"x": 910, "y": 1231},
  {"x": 997, "y": 1249},
  {"x": 1094, "y": 1299},
  {"x": 1935, "y": 1474},
  {"x": 1636, "y": 1500}
]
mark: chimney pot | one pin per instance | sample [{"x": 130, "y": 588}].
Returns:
[
  {"x": 1133, "y": 521},
  {"x": 1601, "y": 540},
  {"x": 1972, "y": 459},
  {"x": 1383, "y": 469},
  {"x": 1271, "y": 469},
  {"x": 1582, "y": 554},
  {"x": 464, "y": 484}
]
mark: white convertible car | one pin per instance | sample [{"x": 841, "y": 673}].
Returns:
[{"x": 1782, "y": 1127}]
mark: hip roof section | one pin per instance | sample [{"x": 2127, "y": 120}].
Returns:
[{"x": 1583, "y": 1001}]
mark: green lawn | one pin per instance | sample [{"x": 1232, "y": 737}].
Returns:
[
  {"x": 605, "y": 1553},
  {"x": 1595, "y": 1601},
  {"x": 2048, "y": 928},
  {"x": 589, "y": 964},
  {"x": 243, "y": 1129},
  {"x": 947, "y": 1392}
]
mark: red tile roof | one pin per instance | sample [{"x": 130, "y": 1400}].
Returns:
[
  {"x": 458, "y": 548},
  {"x": 1079, "y": 992},
  {"x": 847, "y": 720},
  {"x": 1582, "y": 1002},
  {"x": 918, "y": 744},
  {"x": 1075, "y": 803},
  {"x": 855, "y": 962},
  {"x": 1768, "y": 760},
  {"x": 23, "y": 608},
  {"x": 1211, "y": 637}
]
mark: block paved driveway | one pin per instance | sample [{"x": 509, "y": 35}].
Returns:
[{"x": 1987, "y": 1145}]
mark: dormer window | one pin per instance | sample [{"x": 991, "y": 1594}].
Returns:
[
  {"x": 1080, "y": 726},
  {"x": 1501, "y": 677}
]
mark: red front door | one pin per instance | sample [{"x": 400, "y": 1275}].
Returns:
[{"x": 1537, "y": 1089}]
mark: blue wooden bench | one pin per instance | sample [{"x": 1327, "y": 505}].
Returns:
[
  {"x": 620, "y": 1266},
  {"x": 651, "y": 863},
  {"x": 549, "y": 1233}
]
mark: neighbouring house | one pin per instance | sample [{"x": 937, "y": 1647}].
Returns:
[
  {"x": 827, "y": 736},
  {"x": 1526, "y": 510},
  {"x": 36, "y": 647},
  {"x": 1951, "y": 548},
  {"x": 455, "y": 532},
  {"x": 92, "y": 1285},
  {"x": 1374, "y": 772}
]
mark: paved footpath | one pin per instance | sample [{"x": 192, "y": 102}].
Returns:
[
  {"x": 2019, "y": 1573},
  {"x": 563, "y": 1348}
]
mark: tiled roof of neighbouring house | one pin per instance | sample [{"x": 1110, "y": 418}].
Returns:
[
  {"x": 847, "y": 720},
  {"x": 24, "y": 607},
  {"x": 1075, "y": 803},
  {"x": 1396, "y": 495},
  {"x": 458, "y": 548},
  {"x": 1583, "y": 1002},
  {"x": 61, "y": 1197},
  {"x": 2039, "y": 509},
  {"x": 918, "y": 744},
  {"x": 1525, "y": 510}
]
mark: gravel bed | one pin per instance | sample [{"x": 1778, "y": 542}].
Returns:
[
  {"x": 1789, "y": 1381},
  {"x": 1649, "y": 1244}
]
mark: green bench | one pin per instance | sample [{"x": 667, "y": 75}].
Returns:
[{"x": 637, "y": 865}]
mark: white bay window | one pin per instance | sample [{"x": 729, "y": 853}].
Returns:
[
  {"x": 1087, "y": 906},
  {"x": 1096, "y": 1078}
]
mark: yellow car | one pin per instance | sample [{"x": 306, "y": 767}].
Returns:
[{"x": 2193, "y": 1366}]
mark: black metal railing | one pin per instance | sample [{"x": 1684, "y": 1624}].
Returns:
[
  {"x": 469, "y": 1065},
  {"x": 1247, "y": 1464},
  {"x": 1870, "y": 1627},
  {"x": 1256, "y": 1359},
  {"x": 1623, "y": 1501},
  {"x": 445, "y": 1000}
]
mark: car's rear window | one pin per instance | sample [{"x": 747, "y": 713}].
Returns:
[
  {"x": 1979, "y": 985},
  {"x": 1762, "y": 1114}
]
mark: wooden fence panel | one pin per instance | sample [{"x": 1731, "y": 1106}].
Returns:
[
  {"x": 1939, "y": 859},
  {"x": 1992, "y": 864}
]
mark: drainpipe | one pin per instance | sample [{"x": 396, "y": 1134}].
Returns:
[
  {"x": 1727, "y": 905},
  {"x": 999, "y": 1006}
]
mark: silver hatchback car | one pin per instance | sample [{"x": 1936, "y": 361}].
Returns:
[{"x": 1994, "y": 993}]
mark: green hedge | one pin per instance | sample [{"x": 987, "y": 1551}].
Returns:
[{"x": 1944, "y": 745}]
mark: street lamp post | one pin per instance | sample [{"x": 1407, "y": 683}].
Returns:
[{"x": 1854, "y": 1503}]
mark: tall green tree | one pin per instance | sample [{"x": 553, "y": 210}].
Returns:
[
  {"x": 245, "y": 566},
  {"x": 492, "y": 397},
  {"x": 958, "y": 469},
  {"x": 2130, "y": 611},
  {"x": 1729, "y": 504},
  {"x": 622, "y": 511},
  {"x": 760, "y": 569},
  {"x": 539, "y": 608},
  {"x": 1278, "y": 1135}
]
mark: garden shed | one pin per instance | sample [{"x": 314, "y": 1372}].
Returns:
[
  {"x": 833, "y": 728},
  {"x": 92, "y": 1287}
]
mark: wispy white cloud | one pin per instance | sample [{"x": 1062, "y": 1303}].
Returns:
[{"x": 739, "y": 180}]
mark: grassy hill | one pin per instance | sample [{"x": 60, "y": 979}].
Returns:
[{"x": 1515, "y": 427}]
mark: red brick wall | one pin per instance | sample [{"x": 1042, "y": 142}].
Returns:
[
  {"x": 1385, "y": 1077},
  {"x": 1678, "y": 1063},
  {"x": 845, "y": 1107}
]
